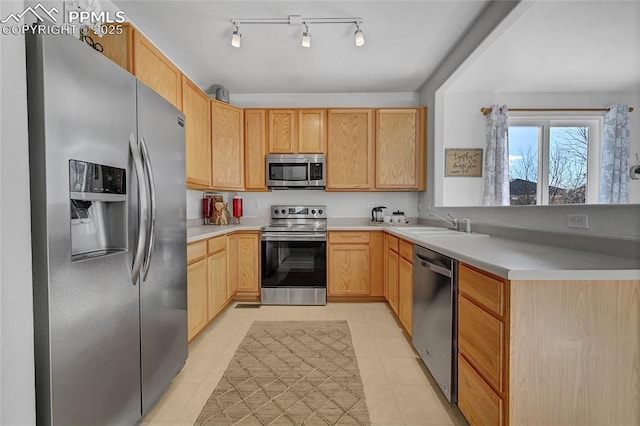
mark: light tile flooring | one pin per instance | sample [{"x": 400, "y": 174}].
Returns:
[{"x": 398, "y": 388}]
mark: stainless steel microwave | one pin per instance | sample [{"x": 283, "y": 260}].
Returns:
[{"x": 291, "y": 171}]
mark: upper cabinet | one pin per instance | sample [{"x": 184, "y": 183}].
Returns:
[
  {"x": 255, "y": 147},
  {"x": 156, "y": 70},
  {"x": 312, "y": 131},
  {"x": 400, "y": 149},
  {"x": 350, "y": 149},
  {"x": 227, "y": 146},
  {"x": 195, "y": 105},
  {"x": 282, "y": 131},
  {"x": 297, "y": 131},
  {"x": 118, "y": 47}
]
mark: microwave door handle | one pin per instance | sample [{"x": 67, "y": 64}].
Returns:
[
  {"x": 309, "y": 173},
  {"x": 143, "y": 209},
  {"x": 152, "y": 198}
]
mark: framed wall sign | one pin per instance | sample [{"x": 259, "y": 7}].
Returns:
[{"x": 463, "y": 162}]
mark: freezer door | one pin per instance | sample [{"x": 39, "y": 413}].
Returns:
[
  {"x": 164, "y": 289},
  {"x": 86, "y": 311}
]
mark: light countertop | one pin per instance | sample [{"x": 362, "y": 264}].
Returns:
[{"x": 515, "y": 260}]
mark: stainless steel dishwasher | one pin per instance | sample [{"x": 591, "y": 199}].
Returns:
[{"x": 435, "y": 331}]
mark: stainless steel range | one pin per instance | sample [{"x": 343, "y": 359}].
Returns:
[{"x": 294, "y": 256}]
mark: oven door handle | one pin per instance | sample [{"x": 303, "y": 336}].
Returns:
[{"x": 294, "y": 236}]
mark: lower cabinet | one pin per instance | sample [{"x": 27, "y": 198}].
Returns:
[
  {"x": 247, "y": 274},
  {"x": 482, "y": 346},
  {"x": 354, "y": 261},
  {"x": 196, "y": 297},
  {"x": 218, "y": 269},
  {"x": 398, "y": 275}
]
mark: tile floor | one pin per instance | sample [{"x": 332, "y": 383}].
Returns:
[{"x": 398, "y": 388}]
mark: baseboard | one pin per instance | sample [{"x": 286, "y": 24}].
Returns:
[{"x": 355, "y": 299}]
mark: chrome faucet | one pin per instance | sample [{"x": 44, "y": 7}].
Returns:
[{"x": 455, "y": 224}]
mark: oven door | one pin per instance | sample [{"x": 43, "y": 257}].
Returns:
[{"x": 294, "y": 259}]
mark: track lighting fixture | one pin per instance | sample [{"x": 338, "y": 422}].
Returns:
[
  {"x": 236, "y": 37},
  {"x": 306, "y": 36},
  {"x": 359, "y": 36},
  {"x": 298, "y": 20}
]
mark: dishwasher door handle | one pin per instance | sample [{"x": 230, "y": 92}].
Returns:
[{"x": 435, "y": 268}]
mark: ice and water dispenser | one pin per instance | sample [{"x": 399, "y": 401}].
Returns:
[{"x": 97, "y": 195}]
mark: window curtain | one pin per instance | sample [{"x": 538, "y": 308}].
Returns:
[
  {"x": 614, "y": 170},
  {"x": 496, "y": 158}
]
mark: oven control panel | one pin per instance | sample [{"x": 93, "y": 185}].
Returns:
[{"x": 298, "y": 212}]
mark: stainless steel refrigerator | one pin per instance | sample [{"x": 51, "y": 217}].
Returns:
[{"x": 107, "y": 169}]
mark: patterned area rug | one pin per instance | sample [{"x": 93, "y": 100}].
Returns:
[{"x": 290, "y": 373}]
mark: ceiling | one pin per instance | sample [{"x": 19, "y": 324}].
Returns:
[
  {"x": 562, "y": 46},
  {"x": 405, "y": 41}
]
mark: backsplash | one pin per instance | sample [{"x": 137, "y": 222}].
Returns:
[{"x": 339, "y": 204}]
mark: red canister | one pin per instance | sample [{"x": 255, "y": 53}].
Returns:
[{"x": 237, "y": 207}]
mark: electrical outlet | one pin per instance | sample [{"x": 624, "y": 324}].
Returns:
[
  {"x": 370, "y": 206},
  {"x": 256, "y": 205},
  {"x": 419, "y": 205},
  {"x": 578, "y": 221}
]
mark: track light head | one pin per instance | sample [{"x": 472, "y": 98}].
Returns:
[
  {"x": 236, "y": 38},
  {"x": 306, "y": 36},
  {"x": 358, "y": 36}
]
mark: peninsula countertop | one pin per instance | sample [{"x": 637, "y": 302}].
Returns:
[{"x": 512, "y": 259}]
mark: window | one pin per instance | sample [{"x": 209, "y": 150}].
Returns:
[{"x": 554, "y": 160}]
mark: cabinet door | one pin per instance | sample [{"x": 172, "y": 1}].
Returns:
[
  {"x": 255, "y": 147},
  {"x": 282, "y": 131},
  {"x": 348, "y": 269},
  {"x": 227, "y": 146},
  {"x": 350, "y": 149},
  {"x": 232, "y": 265},
  {"x": 196, "y": 297},
  {"x": 195, "y": 105},
  {"x": 118, "y": 47},
  {"x": 392, "y": 279},
  {"x": 248, "y": 251},
  {"x": 477, "y": 401},
  {"x": 377, "y": 264},
  {"x": 217, "y": 288},
  {"x": 156, "y": 71},
  {"x": 405, "y": 294},
  {"x": 398, "y": 148},
  {"x": 312, "y": 135}
]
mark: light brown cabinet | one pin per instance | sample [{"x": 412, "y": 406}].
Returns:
[
  {"x": 118, "y": 47},
  {"x": 156, "y": 71},
  {"x": 196, "y": 288},
  {"x": 312, "y": 133},
  {"x": 227, "y": 146},
  {"x": 482, "y": 346},
  {"x": 195, "y": 105},
  {"x": 297, "y": 131},
  {"x": 217, "y": 264},
  {"x": 355, "y": 263},
  {"x": 398, "y": 276},
  {"x": 400, "y": 149},
  {"x": 350, "y": 149},
  {"x": 245, "y": 272},
  {"x": 255, "y": 149},
  {"x": 282, "y": 131}
]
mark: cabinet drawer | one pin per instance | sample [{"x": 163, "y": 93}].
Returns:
[
  {"x": 347, "y": 237},
  {"x": 217, "y": 244},
  {"x": 488, "y": 291},
  {"x": 406, "y": 250},
  {"x": 196, "y": 251},
  {"x": 481, "y": 341},
  {"x": 393, "y": 242},
  {"x": 477, "y": 401}
]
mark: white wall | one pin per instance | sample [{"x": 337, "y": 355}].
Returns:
[
  {"x": 301, "y": 100},
  {"x": 464, "y": 127},
  {"x": 17, "y": 389},
  {"x": 339, "y": 204}
]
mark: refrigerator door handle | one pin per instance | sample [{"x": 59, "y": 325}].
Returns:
[
  {"x": 143, "y": 213},
  {"x": 152, "y": 192}
]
